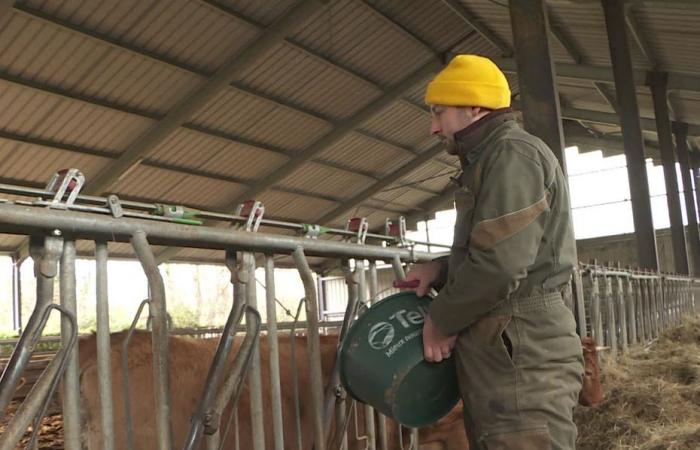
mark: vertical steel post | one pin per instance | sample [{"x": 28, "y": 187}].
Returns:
[
  {"x": 159, "y": 336},
  {"x": 631, "y": 311},
  {"x": 610, "y": 315},
  {"x": 369, "y": 411},
  {"x": 255, "y": 378},
  {"x": 631, "y": 132},
  {"x": 622, "y": 312},
  {"x": 596, "y": 322},
  {"x": 681, "y": 132},
  {"x": 104, "y": 369},
  {"x": 658, "y": 81},
  {"x": 71, "y": 388},
  {"x": 538, "y": 89},
  {"x": 273, "y": 343},
  {"x": 373, "y": 289},
  {"x": 314, "y": 348}
]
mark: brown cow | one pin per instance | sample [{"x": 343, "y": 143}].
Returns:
[{"x": 189, "y": 363}]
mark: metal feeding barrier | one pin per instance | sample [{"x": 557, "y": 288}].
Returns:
[
  {"x": 56, "y": 217},
  {"x": 618, "y": 307}
]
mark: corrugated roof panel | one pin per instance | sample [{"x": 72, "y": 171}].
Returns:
[
  {"x": 294, "y": 207},
  {"x": 261, "y": 11},
  {"x": 401, "y": 123},
  {"x": 584, "y": 23},
  {"x": 54, "y": 118},
  {"x": 190, "y": 32},
  {"x": 254, "y": 118},
  {"x": 324, "y": 180},
  {"x": 365, "y": 154},
  {"x": 171, "y": 187},
  {"x": 47, "y": 54},
  {"x": 301, "y": 79},
  {"x": 32, "y": 163},
  {"x": 432, "y": 21},
  {"x": 671, "y": 31},
  {"x": 349, "y": 32},
  {"x": 187, "y": 148}
]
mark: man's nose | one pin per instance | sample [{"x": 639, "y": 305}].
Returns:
[{"x": 435, "y": 127}]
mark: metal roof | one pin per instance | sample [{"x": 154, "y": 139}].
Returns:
[{"x": 322, "y": 101}]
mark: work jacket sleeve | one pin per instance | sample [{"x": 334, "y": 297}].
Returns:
[{"x": 510, "y": 210}]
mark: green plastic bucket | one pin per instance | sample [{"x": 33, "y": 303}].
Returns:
[{"x": 382, "y": 365}]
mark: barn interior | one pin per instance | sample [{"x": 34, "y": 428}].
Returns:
[{"x": 270, "y": 135}]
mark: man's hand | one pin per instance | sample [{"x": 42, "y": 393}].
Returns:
[
  {"x": 436, "y": 347},
  {"x": 426, "y": 274}
]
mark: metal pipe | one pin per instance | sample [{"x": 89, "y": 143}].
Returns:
[
  {"x": 622, "y": 314},
  {"x": 158, "y": 312},
  {"x": 17, "y": 219},
  {"x": 104, "y": 369},
  {"x": 126, "y": 390},
  {"x": 46, "y": 258},
  {"x": 373, "y": 290},
  {"x": 610, "y": 316},
  {"x": 231, "y": 388},
  {"x": 71, "y": 388},
  {"x": 653, "y": 317},
  {"x": 398, "y": 268},
  {"x": 273, "y": 344},
  {"x": 631, "y": 312},
  {"x": 16, "y": 295},
  {"x": 99, "y": 202},
  {"x": 34, "y": 405},
  {"x": 596, "y": 325},
  {"x": 362, "y": 298},
  {"x": 335, "y": 394},
  {"x": 643, "y": 309},
  {"x": 203, "y": 414},
  {"x": 255, "y": 383},
  {"x": 580, "y": 303},
  {"x": 314, "y": 350}
]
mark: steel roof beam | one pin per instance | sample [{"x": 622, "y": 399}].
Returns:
[
  {"x": 477, "y": 24},
  {"x": 179, "y": 114},
  {"x": 339, "y": 132}
]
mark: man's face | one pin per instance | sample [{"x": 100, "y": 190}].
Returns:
[{"x": 447, "y": 120}]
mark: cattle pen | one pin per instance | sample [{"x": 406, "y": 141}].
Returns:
[
  {"x": 618, "y": 307},
  {"x": 199, "y": 198}
]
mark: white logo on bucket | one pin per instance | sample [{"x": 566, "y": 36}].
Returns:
[{"x": 380, "y": 335}]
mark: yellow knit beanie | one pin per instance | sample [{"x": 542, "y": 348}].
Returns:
[{"x": 469, "y": 80}]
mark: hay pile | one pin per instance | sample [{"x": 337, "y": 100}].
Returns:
[{"x": 652, "y": 397}]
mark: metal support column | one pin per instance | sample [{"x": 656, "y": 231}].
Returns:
[
  {"x": 273, "y": 344},
  {"x": 103, "y": 346},
  {"x": 658, "y": 82},
  {"x": 681, "y": 132},
  {"x": 541, "y": 109},
  {"x": 695, "y": 168},
  {"x": 631, "y": 132},
  {"x": 71, "y": 388}
]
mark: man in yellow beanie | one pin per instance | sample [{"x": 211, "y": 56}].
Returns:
[{"x": 499, "y": 302}]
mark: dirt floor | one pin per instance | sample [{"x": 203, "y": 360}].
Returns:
[
  {"x": 652, "y": 397},
  {"x": 51, "y": 433}
]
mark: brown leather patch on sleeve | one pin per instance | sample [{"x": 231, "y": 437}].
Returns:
[{"x": 487, "y": 233}]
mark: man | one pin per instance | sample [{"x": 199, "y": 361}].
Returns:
[{"x": 499, "y": 306}]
